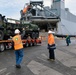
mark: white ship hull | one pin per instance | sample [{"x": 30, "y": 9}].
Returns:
[
  {"x": 66, "y": 27},
  {"x": 67, "y": 23}
]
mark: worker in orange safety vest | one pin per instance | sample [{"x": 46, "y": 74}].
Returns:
[
  {"x": 51, "y": 45},
  {"x": 18, "y": 47}
]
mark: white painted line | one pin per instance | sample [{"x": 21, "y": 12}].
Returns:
[
  {"x": 40, "y": 69},
  {"x": 8, "y": 73},
  {"x": 44, "y": 55},
  {"x": 3, "y": 69},
  {"x": 42, "y": 59}
]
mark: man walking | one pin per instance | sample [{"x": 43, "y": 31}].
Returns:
[
  {"x": 68, "y": 40},
  {"x": 18, "y": 46}
]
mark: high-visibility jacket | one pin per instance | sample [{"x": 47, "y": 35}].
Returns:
[
  {"x": 17, "y": 42},
  {"x": 51, "y": 39}
]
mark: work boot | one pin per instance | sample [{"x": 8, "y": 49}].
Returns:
[
  {"x": 18, "y": 66},
  {"x": 51, "y": 59}
]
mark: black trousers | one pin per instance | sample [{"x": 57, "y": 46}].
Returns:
[
  {"x": 67, "y": 43},
  {"x": 51, "y": 54}
]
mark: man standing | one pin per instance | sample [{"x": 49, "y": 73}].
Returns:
[
  {"x": 51, "y": 45},
  {"x": 18, "y": 46}
]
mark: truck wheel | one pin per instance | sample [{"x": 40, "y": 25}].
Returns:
[
  {"x": 10, "y": 45},
  {"x": 27, "y": 44},
  {"x": 9, "y": 32},
  {"x": 36, "y": 35},
  {"x": 1, "y": 35},
  {"x": 2, "y": 48},
  {"x": 31, "y": 44},
  {"x": 35, "y": 43},
  {"x": 33, "y": 35}
]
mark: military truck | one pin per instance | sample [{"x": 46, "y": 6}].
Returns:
[
  {"x": 7, "y": 28},
  {"x": 3, "y": 29},
  {"x": 31, "y": 30}
]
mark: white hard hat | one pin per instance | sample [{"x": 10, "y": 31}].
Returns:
[
  {"x": 17, "y": 31},
  {"x": 50, "y": 32}
]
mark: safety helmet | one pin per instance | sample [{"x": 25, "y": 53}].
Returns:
[
  {"x": 17, "y": 31},
  {"x": 50, "y": 32}
]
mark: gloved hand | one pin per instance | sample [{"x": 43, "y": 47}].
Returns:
[{"x": 11, "y": 37}]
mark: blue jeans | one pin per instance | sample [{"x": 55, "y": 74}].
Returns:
[{"x": 19, "y": 56}]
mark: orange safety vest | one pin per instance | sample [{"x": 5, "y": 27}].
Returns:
[
  {"x": 51, "y": 39},
  {"x": 17, "y": 42}
]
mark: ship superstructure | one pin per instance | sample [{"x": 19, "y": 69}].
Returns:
[
  {"x": 37, "y": 13},
  {"x": 57, "y": 17}
]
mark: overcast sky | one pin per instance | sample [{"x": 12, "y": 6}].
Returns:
[{"x": 11, "y": 8}]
